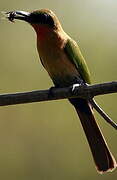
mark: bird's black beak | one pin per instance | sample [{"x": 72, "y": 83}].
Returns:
[{"x": 21, "y": 15}]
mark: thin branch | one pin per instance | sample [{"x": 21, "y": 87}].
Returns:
[
  {"x": 102, "y": 113},
  {"x": 87, "y": 92}
]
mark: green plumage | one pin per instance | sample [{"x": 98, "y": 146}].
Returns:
[{"x": 76, "y": 57}]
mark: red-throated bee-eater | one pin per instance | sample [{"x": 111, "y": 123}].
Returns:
[{"x": 61, "y": 57}]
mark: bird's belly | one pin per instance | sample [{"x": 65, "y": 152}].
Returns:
[{"x": 61, "y": 70}]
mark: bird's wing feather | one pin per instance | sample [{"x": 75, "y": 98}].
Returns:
[{"x": 73, "y": 52}]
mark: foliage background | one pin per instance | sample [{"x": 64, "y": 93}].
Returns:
[{"x": 45, "y": 140}]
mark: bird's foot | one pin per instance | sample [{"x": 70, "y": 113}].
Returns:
[{"x": 75, "y": 86}]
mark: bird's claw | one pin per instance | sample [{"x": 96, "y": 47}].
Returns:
[{"x": 75, "y": 86}]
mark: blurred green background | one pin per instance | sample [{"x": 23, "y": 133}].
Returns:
[{"x": 45, "y": 140}]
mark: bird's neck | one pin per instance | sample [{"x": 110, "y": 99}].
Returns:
[
  {"x": 46, "y": 34},
  {"x": 42, "y": 32}
]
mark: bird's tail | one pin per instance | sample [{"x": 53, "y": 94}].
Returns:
[{"x": 102, "y": 156}]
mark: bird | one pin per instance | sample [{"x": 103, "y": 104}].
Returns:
[{"x": 62, "y": 58}]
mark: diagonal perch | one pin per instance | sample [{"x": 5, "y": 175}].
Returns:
[{"x": 86, "y": 92}]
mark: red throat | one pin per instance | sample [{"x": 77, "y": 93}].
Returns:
[{"x": 41, "y": 31}]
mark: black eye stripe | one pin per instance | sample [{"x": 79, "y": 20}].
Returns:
[
  {"x": 41, "y": 18},
  {"x": 44, "y": 18}
]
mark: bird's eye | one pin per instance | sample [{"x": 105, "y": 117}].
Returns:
[{"x": 42, "y": 18}]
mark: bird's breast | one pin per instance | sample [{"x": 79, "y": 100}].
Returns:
[{"x": 58, "y": 65}]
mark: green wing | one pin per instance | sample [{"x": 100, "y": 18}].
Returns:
[{"x": 74, "y": 53}]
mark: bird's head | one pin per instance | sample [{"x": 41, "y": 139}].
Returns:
[{"x": 43, "y": 18}]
